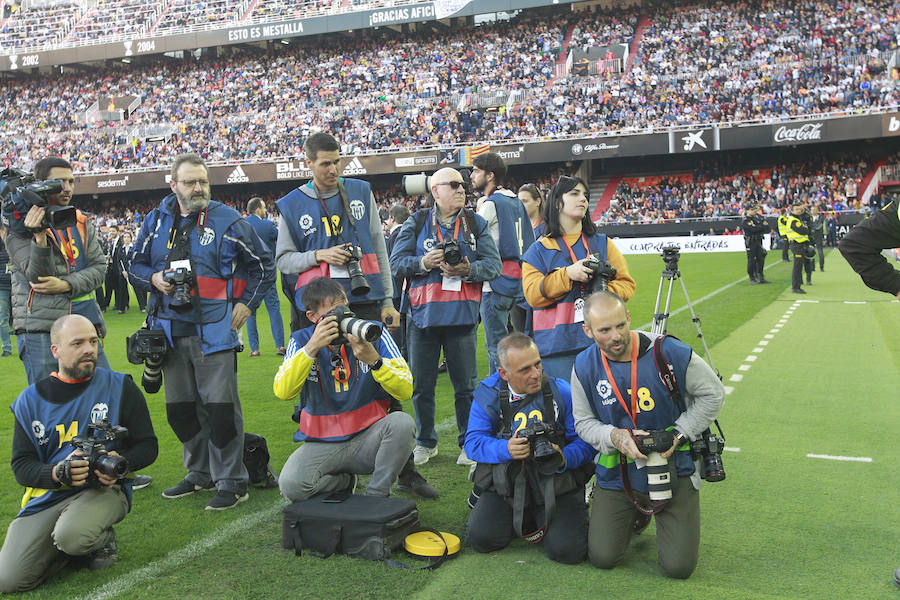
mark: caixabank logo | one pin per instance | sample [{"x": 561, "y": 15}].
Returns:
[
  {"x": 237, "y": 176},
  {"x": 354, "y": 167}
]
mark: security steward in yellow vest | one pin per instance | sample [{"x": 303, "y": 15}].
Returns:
[
  {"x": 797, "y": 232},
  {"x": 782, "y": 233}
]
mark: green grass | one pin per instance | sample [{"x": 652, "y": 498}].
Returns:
[{"x": 780, "y": 526}]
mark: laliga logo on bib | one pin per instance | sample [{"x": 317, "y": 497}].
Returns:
[
  {"x": 428, "y": 244},
  {"x": 605, "y": 391},
  {"x": 207, "y": 237},
  {"x": 357, "y": 209},
  {"x": 99, "y": 412},
  {"x": 306, "y": 222}
]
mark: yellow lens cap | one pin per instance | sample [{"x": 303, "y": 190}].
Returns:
[{"x": 426, "y": 543}]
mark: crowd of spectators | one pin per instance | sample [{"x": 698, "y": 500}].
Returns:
[
  {"x": 698, "y": 62},
  {"x": 116, "y": 19},
  {"x": 713, "y": 191},
  {"x": 36, "y": 26}
]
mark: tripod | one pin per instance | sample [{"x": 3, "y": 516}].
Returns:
[{"x": 670, "y": 273}]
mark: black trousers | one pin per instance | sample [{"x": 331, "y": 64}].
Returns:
[
  {"x": 490, "y": 526},
  {"x": 755, "y": 261},
  {"x": 821, "y": 252},
  {"x": 801, "y": 264}
]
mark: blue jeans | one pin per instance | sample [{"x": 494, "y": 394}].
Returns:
[
  {"x": 274, "y": 309},
  {"x": 424, "y": 347},
  {"x": 559, "y": 365},
  {"x": 34, "y": 350},
  {"x": 4, "y": 321},
  {"x": 495, "y": 317}
]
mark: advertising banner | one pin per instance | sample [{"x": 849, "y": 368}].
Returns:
[{"x": 697, "y": 244}]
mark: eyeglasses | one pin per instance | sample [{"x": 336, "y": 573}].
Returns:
[
  {"x": 455, "y": 185},
  {"x": 190, "y": 183}
]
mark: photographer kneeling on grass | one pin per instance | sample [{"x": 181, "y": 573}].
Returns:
[
  {"x": 343, "y": 381},
  {"x": 532, "y": 466},
  {"x": 645, "y": 397},
  {"x": 78, "y": 436}
]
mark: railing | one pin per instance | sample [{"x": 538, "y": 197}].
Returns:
[{"x": 890, "y": 172}]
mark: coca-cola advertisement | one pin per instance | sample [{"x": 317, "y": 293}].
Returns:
[{"x": 793, "y": 133}]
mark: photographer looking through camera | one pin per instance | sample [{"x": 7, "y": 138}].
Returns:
[
  {"x": 521, "y": 427},
  {"x": 620, "y": 401},
  {"x": 207, "y": 270},
  {"x": 80, "y": 417}
]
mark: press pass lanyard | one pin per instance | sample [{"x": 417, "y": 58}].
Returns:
[
  {"x": 584, "y": 241},
  {"x": 437, "y": 226},
  {"x": 64, "y": 241},
  {"x": 176, "y": 221},
  {"x": 632, "y": 414}
]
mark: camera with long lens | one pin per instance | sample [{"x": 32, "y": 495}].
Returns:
[
  {"x": 452, "y": 252},
  {"x": 358, "y": 284},
  {"x": 708, "y": 449},
  {"x": 670, "y": 255},
  {"x": 183, "y": 279},
  {"x": 93, "y": 450},
  {"x": 540, "y": 438},
  {"x": 601, "y": 273},
  {"x": 148, "y": 346},
  {"x": 420, "y": 183},
  {"x": 659, "y": 478},
  {"x": 348, "y": 323},
  {"x": 19, "y": 191}
]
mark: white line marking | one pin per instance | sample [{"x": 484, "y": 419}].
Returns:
[
  {"x": 847, "y": 458},
  {"x": 728, "y": 389},
  {"x": 763, "y": 342},
  {"x": 809, "y": 301},
  {"x": 758, "y": 350},
  {"x": 730, "y": 449},
  {"x": 774, "y": 330},
  {"x": 769, "y": 336},
  {"x": 170, "y": 562},
  {"x": 849, "y": 302},
  {"x": 736, "y": 377},
  {"x": 744, "y": 367},
  {"x": 751, "y": 358}
]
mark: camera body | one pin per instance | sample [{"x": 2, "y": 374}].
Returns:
[
  {"x": 358, "y": 284},
  {"x": 601, "y": 273},
  {"x": 670, "y": 255},
  {"x": 146, "y": 345},
  {"x": 180, "y": 276},
  {"x": 540, "y": 436},
  {"x": 93, "y": 450},
  {"x": 19, "y": 191},
  {"x": 349, "y": 323},
  {"x": 452, "y": 252},
  {"x": 708, "y": 449},
  {"x": 659, "y": 479}
]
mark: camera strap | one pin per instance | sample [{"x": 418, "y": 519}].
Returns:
[
  {"x": 632, "y": 414},
  {"x": 571, "y": 249},
  {"x": 506, "y": 411},
  {"x": 629, "y": 491},
  {"x": 339, "y": 231}
]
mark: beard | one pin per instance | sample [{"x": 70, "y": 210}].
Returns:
[
  {"x": 83, "y": 369},
  {"x": 194, "y": 202}
]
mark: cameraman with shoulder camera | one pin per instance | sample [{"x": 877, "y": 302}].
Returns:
[
  {"x": 754, "y": 227},
  {"x": 445, "y": 263},
  {"x": 511, "y": 231},
  {"x": 330, "y": 228},
  {"x": 55, "y": 272},
  {"x": 346, "y": 383},
  {"x": 522, "y": 435},
  {"x": 208, "y": 270},
  {"x": 797, "y": 233},
  {"x": 69, "y": 508},
  {"x": 619, "y": 399}
]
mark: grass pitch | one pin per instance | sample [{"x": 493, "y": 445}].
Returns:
[{"x": 782, "y": 525}]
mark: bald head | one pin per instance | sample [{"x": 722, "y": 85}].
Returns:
[
  {"x": 607, "y": 322},
  {"x": 75, "y": 344},
  {"x": 66, "y": 324},
  {"x": 448, "y": 200},
  {"x": 603, "y": 303}
]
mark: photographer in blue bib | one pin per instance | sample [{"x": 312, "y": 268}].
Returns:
[
  {"x": 531, "y": 465},
  {"x": 78, "y": 436},
  {"x": 644, "y": 401},
  {"x": 208, "y": 271}
]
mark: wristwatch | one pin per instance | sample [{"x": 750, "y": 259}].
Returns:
[
  {"x": 377, "y": 364},
  {"x": 680, "y": 438}
]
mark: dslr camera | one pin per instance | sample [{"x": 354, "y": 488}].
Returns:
[
  {"x": 601, "y": 273},
  {"x": 452, "y": 252},
  {"x": 93, "y": 450},
  {"x": 349, "y": 323},
  {"x": 358, "y": 284},
  {"x": 659, "y": 480},
  {"x": 708, "y": 449},
  {"x": 149, "y": 347},
  {"x": 540, "y": 437},
  {"x": 180, "y": 275},
  {"x": 19, "y": 191}
]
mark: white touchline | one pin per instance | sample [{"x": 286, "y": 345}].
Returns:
[
  {"x": 117, "y": 587},
  {"x": 847, "y": 458}
]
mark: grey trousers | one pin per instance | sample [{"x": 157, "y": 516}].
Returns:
[
  {"x": 37, "y": 546},
  {"x": 319, "y": 467},
  {"x": 677, "y": 529},
  {"x": 204, "y": 410}
]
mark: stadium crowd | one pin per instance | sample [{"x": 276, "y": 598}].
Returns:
[{"x": 748, "y": 62}]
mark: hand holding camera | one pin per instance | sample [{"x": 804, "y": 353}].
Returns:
[
  {"x": 336, "y": 255},
  {"x": 460, "y": 269},
  {"x": 325, "y": 333},
  {"x": 581, "y": 271}
]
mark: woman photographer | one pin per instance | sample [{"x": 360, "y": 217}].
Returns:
[
  {"x": 560, "y": 270},
  {"x": 533, "y": 200}
]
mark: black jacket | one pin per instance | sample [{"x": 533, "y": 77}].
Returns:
[{"x": 862, "y": 248}]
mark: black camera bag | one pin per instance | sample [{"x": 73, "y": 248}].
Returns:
[
  {"x": 366, "y": 527},
  {"x": 256, "y": 461}
]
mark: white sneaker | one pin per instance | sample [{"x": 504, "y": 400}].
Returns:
[
  {"x": 421, "y": 454},
  {"x": 464, "y": 460}
]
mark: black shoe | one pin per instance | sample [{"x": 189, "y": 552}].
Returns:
[
  {"x": 141, "y": 481},
  {"x": 106, "y": 556},
  {"x": 414, "y": 483},
  {"x": 764, "y": 281},
  {"x": 185, "y": 488},
  {"x": 808, "y": 282},
  {"x": 754, "y": 282},
  {"x": 442, "y": 368},
  {"x": 640, "y": 523},
  {"x": 6, "y": 353},
  {"x": 223, "y": 500},
  {"x": 798, "y": 291},
  {"x": 897, "y": 577}
]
